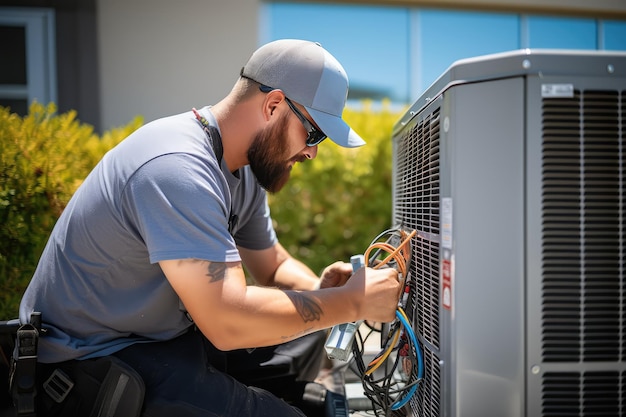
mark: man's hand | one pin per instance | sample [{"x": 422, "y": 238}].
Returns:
[
  {"x": 378, "y": 291},
  {"x": 335, "y": 275}
]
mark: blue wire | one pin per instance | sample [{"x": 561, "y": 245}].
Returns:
[{"x": 420, "y": 362}]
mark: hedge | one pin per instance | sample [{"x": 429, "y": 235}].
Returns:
[
  {"x": 330, "y": 209},
  {"x": 44, "y": 157}
]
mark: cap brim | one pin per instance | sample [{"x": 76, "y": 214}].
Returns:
[{"x": 336, "y": 129}]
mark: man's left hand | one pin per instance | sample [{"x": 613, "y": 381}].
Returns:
[{"x": 335, "y": 275}]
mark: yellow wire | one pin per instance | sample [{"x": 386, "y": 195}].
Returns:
[
  {"x": 375, "y": 364},
  {"x": 401, "y": 311}
]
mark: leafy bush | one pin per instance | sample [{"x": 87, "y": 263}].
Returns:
[
  {"x": 330, "y": 209},
  {"x": 43, "y": 159}
]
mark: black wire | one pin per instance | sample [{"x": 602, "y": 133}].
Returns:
[{"x": 381, "y": 387}]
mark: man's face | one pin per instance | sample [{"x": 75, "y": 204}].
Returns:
[{"x": 269, "y": 156}]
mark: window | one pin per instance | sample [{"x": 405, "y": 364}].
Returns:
[
  {"x": 613, "y": 36},
  {"x": 371, "y": 42},
  {"x": 398, "y": 52},
  {"x": 562, "y": 33},
  {"x": 447, "y": 36},
  {"x": 27, "y": 70}
]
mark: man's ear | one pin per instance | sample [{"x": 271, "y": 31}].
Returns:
[{"x": 271, "y": 102}]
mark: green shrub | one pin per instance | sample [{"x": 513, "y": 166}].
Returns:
[
  {"x": 44, "y": 157},
  {"x": 330, "y": 209}
]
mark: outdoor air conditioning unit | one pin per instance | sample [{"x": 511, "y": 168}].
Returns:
[{"x": 512, "y": 169}]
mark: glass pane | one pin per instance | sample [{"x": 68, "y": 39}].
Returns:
[
  {"x": 615, "y": 35},
  {"x": 19, "y": 106},
  {"x": 562, "y": 33},
  {"x": 13, "y": 55},
  {"x": 370, "y": 42},
  {"x": 447, "y": 36}
]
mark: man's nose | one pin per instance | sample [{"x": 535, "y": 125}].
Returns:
[{"x": 310, "y": 152}]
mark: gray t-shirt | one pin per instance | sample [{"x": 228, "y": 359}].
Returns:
[{"x": 160, "y": 194}]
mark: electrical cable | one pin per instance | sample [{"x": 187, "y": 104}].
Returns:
[
  {"x": 420, "y": 362},
  {"x": 386, "y": 389},
  {"x": 375, "y": 364}
]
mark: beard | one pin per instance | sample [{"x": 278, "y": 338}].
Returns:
[{"x": 268, "y": 156}]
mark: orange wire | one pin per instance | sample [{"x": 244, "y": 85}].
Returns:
[{"x": 401, "y": 257}]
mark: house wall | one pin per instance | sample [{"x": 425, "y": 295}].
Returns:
[{"x": 161, "y": 57}]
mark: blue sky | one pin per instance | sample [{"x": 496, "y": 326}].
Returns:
[{"x": 398, "y": 52}]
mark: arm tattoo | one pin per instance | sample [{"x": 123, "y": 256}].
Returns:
[
  {"x": 308, "y": 309},
  {"x": 216, "y": 271}
]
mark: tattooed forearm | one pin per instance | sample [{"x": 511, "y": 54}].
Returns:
[{"x": 306, "y": 306}]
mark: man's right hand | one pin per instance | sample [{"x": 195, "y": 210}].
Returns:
[{"x": 376, "y": 292}]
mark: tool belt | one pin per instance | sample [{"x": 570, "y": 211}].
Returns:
[{"x": 98, "y": 387}]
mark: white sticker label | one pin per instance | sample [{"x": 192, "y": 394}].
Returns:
[
  {"x": 446, "y": 222},
  {"x": 557, "y": 90}
]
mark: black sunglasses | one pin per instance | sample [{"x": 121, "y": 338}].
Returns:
[{"x": 314, "y": 135}]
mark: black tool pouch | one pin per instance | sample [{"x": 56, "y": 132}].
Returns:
[{"x": 92, "y": 388}]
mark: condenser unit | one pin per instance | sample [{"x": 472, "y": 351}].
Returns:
[{"x": 512, "y": 169}]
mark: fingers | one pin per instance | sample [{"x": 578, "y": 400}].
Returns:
[
  {"x": 338, "y": 267},
  {"x": 336, "y": 275},
  {"x": 391, "y": 274},
  {"x": 381, "y": 294}
]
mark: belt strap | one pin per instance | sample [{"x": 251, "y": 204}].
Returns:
[{"x": 24, "y": 369}]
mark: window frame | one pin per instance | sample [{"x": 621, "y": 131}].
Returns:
[{"x": 41, "y": 79}]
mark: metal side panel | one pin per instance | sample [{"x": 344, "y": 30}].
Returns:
[{"x": 483, "y": 332}]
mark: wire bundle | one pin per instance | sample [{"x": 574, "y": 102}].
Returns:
[{"x": 382, "y": 378}]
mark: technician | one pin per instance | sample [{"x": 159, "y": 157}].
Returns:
[{"x": 146, "y": 263}]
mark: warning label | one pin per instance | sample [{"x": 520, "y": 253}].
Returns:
[{"x": 446, "y": 281}]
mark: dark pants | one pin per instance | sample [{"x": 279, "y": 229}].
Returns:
[{"x": 187, "y": 376}]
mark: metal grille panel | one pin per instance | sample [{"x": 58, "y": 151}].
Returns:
[
  {"x": 583, "y": 248},
  {"x": 416, "y": 203},
  {"x": 571, "y": 394},
  {"x": 428, "y": 401},
  {"x": 583, "y": 235}
]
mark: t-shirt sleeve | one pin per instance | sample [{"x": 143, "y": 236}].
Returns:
[
  {"x": 179, "y": 205},
  {"x": 257, "y": 230}
]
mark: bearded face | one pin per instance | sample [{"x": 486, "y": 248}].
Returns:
[{"x": 268, "y": 156}]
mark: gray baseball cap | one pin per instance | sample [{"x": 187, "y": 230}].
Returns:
[{"x": 310, "y": 76}]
